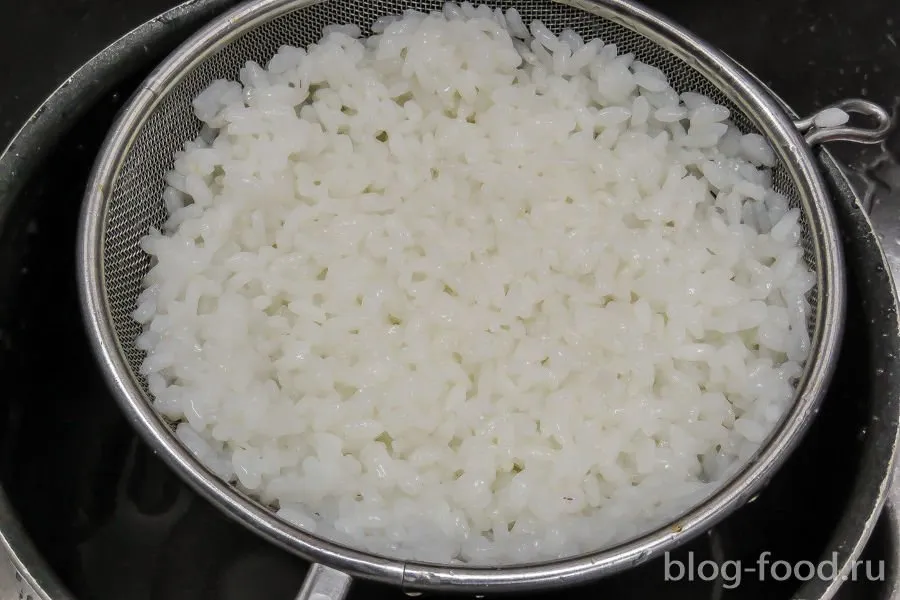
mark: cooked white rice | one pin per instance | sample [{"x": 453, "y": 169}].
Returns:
[
  {"x": 448, "y": 294},
  {"x": 831, "y": 117}
]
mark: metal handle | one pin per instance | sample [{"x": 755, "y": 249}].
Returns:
[
  {"x": 847, "y": 133},
  {"x": 324, "y": 583}
]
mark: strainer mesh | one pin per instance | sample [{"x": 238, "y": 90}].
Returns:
[{"x": 136, "y": 202}]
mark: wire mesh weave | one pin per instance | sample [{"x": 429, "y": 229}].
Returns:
[{"x": 136, "y": 202}]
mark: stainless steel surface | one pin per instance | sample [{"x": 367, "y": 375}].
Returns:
[
  {"x": 891, "y": 519},
  {"x": 24, "y": 572},
  {"x": 149, "y": 550},
  {"x": 13, "y": 586},
  {"x": 9, "y": 587},
  {"x": 324, "y": 583},
  {"x": 877, "y": 471},
  {"x": 139, "y": 151},
  {"x": 848, "y": 133},
  {"x": 881, "y": 181},
  {"x": 116, "y": 578}
]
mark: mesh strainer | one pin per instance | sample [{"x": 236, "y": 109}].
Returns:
[{"x": 125, "y": 198}]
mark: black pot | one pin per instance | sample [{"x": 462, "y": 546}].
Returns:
[{"x": 86, "y": 510}]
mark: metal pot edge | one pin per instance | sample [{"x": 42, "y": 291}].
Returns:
[{"x": 128, "y": 54}]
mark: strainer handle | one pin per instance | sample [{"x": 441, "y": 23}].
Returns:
[
  {"x": 848, "y": 133},
  {"x": 324, "y": 583}
]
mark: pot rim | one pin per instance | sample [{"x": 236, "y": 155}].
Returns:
[{"x": 77, "y": 94}]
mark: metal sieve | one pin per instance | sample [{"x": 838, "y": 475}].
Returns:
[{"x": 124, "y": 199}]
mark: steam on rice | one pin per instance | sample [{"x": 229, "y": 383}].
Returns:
[{"x": 469, "y": 290}]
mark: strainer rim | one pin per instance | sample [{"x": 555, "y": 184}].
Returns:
[{"x": 721, "y": 70}]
